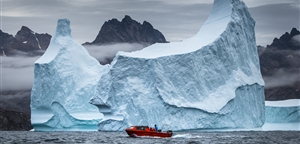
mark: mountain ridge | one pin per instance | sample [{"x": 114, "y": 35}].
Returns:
[
  {"x": 25, "y": 42},
  {"x": 279, "y": 64},
  {"x": 127, "y": 31}
]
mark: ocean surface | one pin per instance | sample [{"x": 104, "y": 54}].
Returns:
[{"x": 21, "y": 137}]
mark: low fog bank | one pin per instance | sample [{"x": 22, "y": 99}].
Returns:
[
  {"x": 282, "y": 78},
  {"x": 17, "y": 73},
  {"x": 296, "y": 40},
  {"x": 105, "y": 53}
]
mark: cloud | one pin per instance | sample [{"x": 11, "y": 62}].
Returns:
[
  {"x": 281, "y": 78},
  {"x": 177, "y": 21},
  {"x": 296, "y": 40},
  {"x": 273, "y": 20}
]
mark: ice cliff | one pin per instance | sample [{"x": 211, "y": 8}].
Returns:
[
  {"x": 287, "y": 111},
  {"x": 211, "y": 80},
  {"x": 65, "y": 78}
]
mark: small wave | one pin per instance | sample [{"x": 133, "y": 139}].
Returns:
[{"x": 186, "y": 136}]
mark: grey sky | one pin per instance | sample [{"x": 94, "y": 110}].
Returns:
[{"x": 176, "y": 19}]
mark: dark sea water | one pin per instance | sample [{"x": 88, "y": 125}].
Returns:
[{"x": 21, "y": 137}]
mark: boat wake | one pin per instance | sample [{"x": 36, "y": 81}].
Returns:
[{"x": 189, "y": 136}]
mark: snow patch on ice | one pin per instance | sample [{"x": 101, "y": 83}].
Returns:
[
  {"x": 281, "y": 126},
  {"x": 214, "y": 26},
  {"x": 284, "y": 103}
]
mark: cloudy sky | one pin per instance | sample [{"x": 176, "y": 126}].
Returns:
[{"x": 176, "y": 19}]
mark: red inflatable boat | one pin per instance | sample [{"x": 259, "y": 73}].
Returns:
[{"x": 140, "y": 131}]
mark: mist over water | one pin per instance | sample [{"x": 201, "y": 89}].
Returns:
[
  {"x": 281, "y": 78},
  {"x": 287, "y": 74},
  {"x": 105, "y": 53},
  {"x": 17, "y": 73}
]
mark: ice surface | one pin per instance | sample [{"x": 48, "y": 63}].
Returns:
[
  {"x": 211, "y": 30},
  {"x": 287, "y": 111},
  {"x": 283, "y": 103},
  {"x": 282, "y": 115},
  {"x": 65, "y": 79},
  {"x": 295, "y": 126},
  {"x": 211, "y": 80}
]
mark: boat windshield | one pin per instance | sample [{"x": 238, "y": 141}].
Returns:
[{"x": 141, "y": 127}]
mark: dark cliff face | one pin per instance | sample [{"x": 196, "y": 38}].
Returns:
[
  {"x": 26, "y": 42},
  {"x": 128, "y": 31},
  {"x": 37, "y": 41},
  {"x": 280, "y": 67},
  {"x": 15, "y": 110},
  {"x": 8, "y": 43}
]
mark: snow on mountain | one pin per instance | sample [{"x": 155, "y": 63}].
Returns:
[
  {"x": 285, "y": 111},
  {"x": 211, "y": 80},
  {"x": 65, "y": 78}
]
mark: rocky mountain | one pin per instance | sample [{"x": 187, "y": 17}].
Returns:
[
  {"x": 25, "y": 42},
  {"x": 280, "y": 67},
  {"x": 287, "y": 41},
  {"x": 15, "y": 110},
  {"x": 128, "y": 31}
]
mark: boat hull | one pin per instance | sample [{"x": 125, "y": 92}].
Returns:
[
  {"x": 149, "y": 134},
  {"x": 146, "y": 132}
]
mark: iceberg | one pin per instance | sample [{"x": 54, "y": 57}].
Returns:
[
  {"x": 282, "y": 115},
  {"x": 65, "y": 78},
  {"x": 286, "y": 111},
  {"x": 211, "y": 80}
]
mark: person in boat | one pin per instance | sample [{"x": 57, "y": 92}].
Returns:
[{"x": 156, "y": 128}]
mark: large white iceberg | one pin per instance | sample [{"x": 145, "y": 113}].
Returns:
[
  {"x": 211, "y": 80},
  {"x": 65, "y": 78}
]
